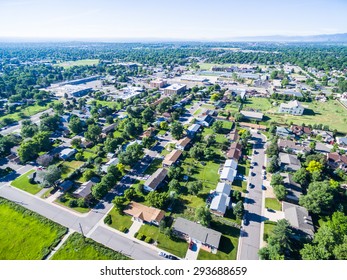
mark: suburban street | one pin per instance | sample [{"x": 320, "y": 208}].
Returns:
[{"x": 249, "y": 242}]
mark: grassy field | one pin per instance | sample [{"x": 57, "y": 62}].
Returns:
[
  {"x": 227, "y": 246},
  {"x": 261, "y": 104},
  {"x": 82, "y": 62},
  {"x": 69, "y": 197},
  {"x": 77, "y": 248},
  {"x": 273, "y": 203},
  {"x": 25, "y": 113},
  {"x": 26, "y": 235},
  {"x": 177, "y": 247},
  {"x": 329, "y": 113},
  {"x": 22, "y": 182},
  {"x": 119, "y": 221}
]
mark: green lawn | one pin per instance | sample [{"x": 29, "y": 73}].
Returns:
[
  {"x": 26, "y": 235},
  {"x": 24, "y": 113},
  {"x": 233, "y": 107},
  {"x": 207, "y": 106},
  {"x": 22, "y": 182},
  {"x": 316, "y": 113},
  {"x": 69, "y": 197},
  {"x": 67, "y": 167},
  {"x": 227, "y": 249},
  {"x": 240, "y": 185},
  {"x": 177, "y": 247},
  {"x": 155, "y": 164},
  {"x": 268, "y": 228},
  {"x": 119, "y": 221},
  {"x": 273, "y": 203},
  {"x": 197, "y": 112},
  {"x": 78, "y": 248},
  {"x": 81, "y": 62},
  {"x": 257, "y": 103}
]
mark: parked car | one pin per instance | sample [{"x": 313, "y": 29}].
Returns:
[{"x": 251, "y": 185}]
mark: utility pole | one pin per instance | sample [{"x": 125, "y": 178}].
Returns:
[{"x": 84, "y": 238}]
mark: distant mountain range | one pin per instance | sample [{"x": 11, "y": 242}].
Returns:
[{"x": 342, "y": 37}]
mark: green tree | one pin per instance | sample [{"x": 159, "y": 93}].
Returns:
[
  {"x": 28, "y": 150},
  {"x": 88, "y": 174},
  {"x": 175, "y": 186},
  {"x": 217, "y": 126},
  {"x": 314, "y": 166},
  {"x": 118, "y": 202},
  {"x": 177, "y": 130},
  {"x": 301, "y": 177},
  {"x": 50, "y": 176},
  {"x": 277, "y": 179},
  {"x": 194, "y": 187},
  {"x": 75, "y": 124},
  {"x": 238, "y": 209},
  {"x": 203, "y": 215},
  {"x": 319, "y": 197},
  {"x": 157, "y": 199},
  {"x": 280, "y": 191},
  {"x": 148, "y": 115},
  {"x": 42, "y": 140},
  {"x": 93, "y": 132}
]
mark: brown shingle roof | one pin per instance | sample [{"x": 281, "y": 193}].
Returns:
[
  {"x": 143, "y": 212},
  {"x": 183, "y": 142},
  {"x": 172, "y": 157}
]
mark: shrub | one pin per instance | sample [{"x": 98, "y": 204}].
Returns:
[
  {"x": 72, "y": 203},
  {"x": 81, "y": 202},
  {"x": 136, "y": 234},
  {"x": 140, "y": 236},
  {"x": 108, "y": 220},
  {"x": 148, "y": 239},
  {"x": 63, "y": 199},
  {"x": 123, "y": 229}
]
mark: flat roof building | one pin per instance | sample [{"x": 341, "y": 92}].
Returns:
[{"x": 175, "y": 89}]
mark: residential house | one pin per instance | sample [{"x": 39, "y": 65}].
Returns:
[
  {"x": 327, "y": 136},
  {"x": 206, "y": 120},
  {"x": 341, "y": 141},
  {"x": 300, "y": 130},
  {"x": 183, "y": 143},
  {"x": 192, "y": 130},
  {"x": 283, "y": 132},
  {"x": 230, "y": 163},
  {"x": 335, "y": 160},
  {"x": 85, "y": 190},
  {"x": 65, "y": 186},
  {"x": 155, "y": 180},
  {"x": 293, "y": 108},
  {"x": 144, "y": 214},
  {"x": 107, "y": 129},
  {"x": 221, "y": 201},
  {"x": 234, "y": 136},
  {"x": 171, "y": 158},
  {"x": 299, "y": 219},
  {"x": 235, "y": 151},
  {"x": 294, "y": 190},
  {"x": 228, "y": 174},
  {"x": 190, "y": 231},
  {"x": 290, "y": 146},
  {"x": 112, "y": 161},
  {"x": 321, "y": 148},
  {"x": 219, "y": 104},
  {"x": 289, "y": 162},
  {"x": 67, "y": 153},
  {"x": 251, "y": 115}
]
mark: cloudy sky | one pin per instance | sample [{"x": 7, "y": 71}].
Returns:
[{"x": 168, "y": 19}]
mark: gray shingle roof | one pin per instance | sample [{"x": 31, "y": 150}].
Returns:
[{"x": 196, "y": 231}]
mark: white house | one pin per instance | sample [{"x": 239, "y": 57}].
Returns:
[
  {"x": 231, "y": 163},
  {"x": 293, "y": 108},
  {"x": 228, "y": 175},
  {"x": 219, "y": 204}
]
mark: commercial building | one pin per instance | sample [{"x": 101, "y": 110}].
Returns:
[
  {"x": 175, "y": 89},
  {"x": 159, "y": 83}
]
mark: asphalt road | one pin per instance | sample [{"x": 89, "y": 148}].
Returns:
[
  {"x": 249, "y": 242},
  {"x": 16, "y": 128}
]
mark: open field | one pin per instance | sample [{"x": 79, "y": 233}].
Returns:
[
  {"x": 82, "y": 62},
  {"x": 24, "y": 113},
  {"x": 77, "y": 248},
  {"x": 155, "y": 164},
  {"x": 259, "y": 104},
  {"x": 22, "y": 182},
  {"x": 26, "y": 235},
  {"x": 67, "y": 167},
  {"x": 177, "y": 247}
]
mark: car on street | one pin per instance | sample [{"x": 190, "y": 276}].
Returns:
[
  {"x": 252, "y": 174},
  {"x": 263, "y": 188},
  {"x": 251, "y": 185}
]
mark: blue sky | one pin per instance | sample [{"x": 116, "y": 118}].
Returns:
[{"x": 178, "y": 19}]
